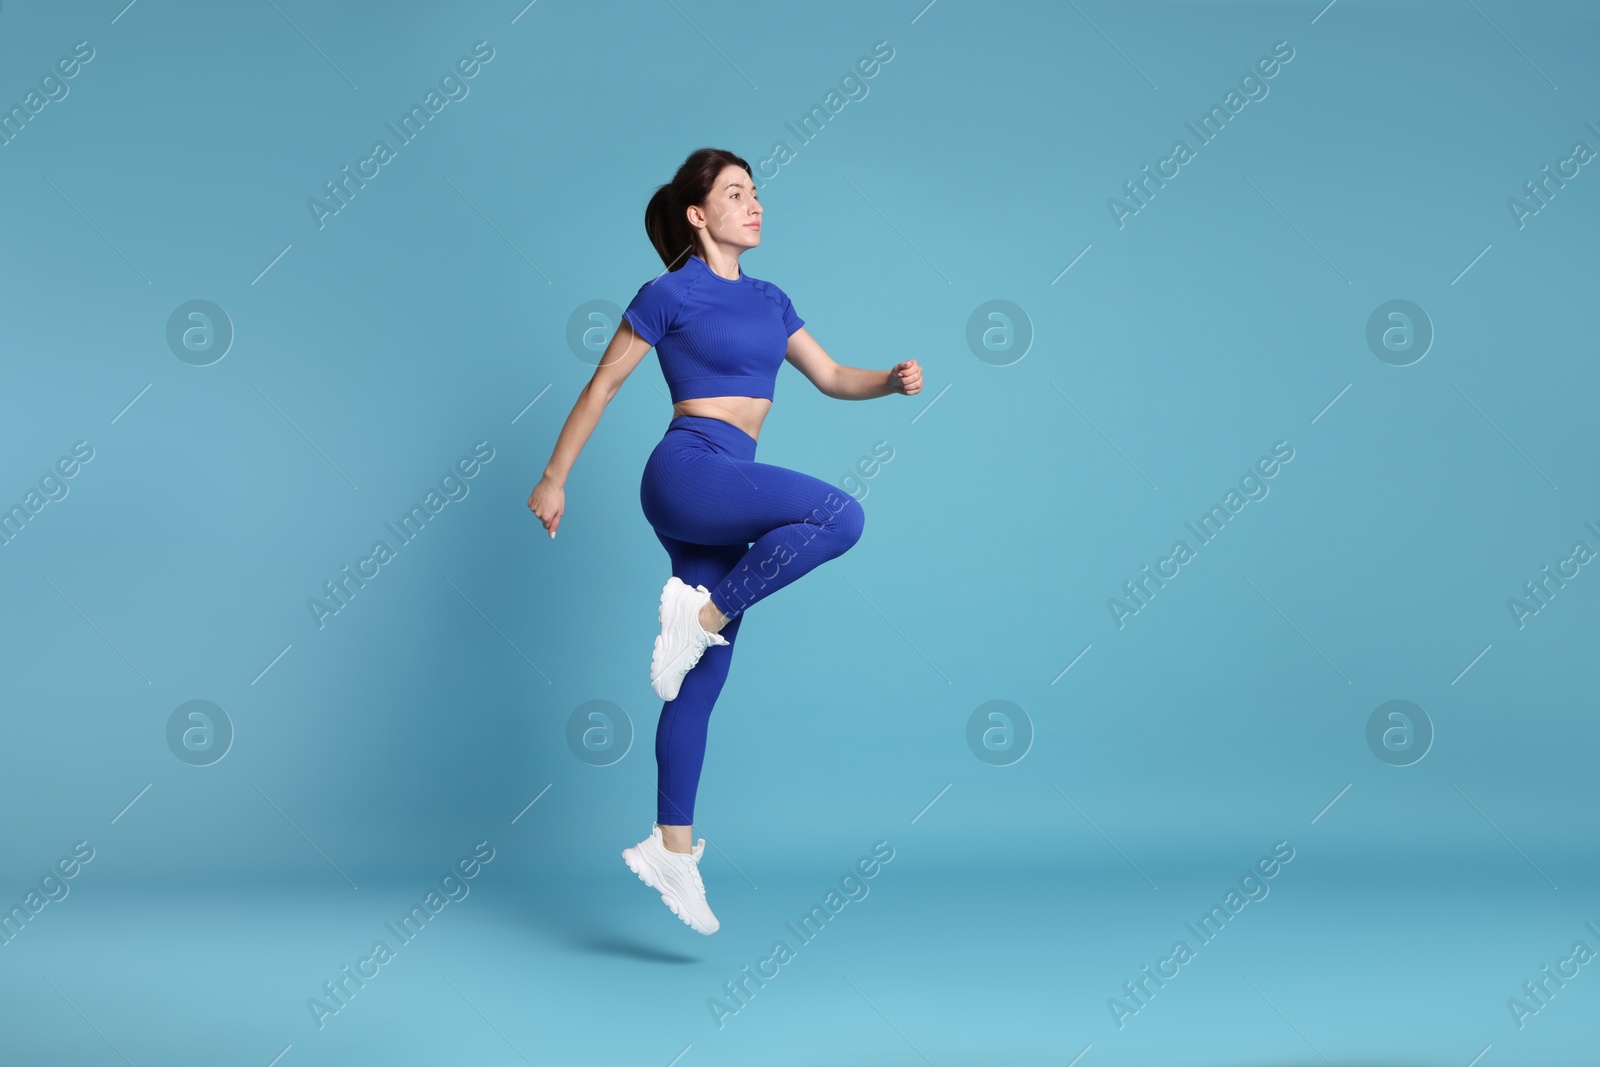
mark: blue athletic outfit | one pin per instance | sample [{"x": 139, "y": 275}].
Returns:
[{"x": 740, "y": 528}]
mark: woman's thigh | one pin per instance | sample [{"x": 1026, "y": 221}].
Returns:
[{"x": 692, "y": 492}]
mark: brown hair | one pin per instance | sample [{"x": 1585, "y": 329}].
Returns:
[{"x": 664, "y": 220}]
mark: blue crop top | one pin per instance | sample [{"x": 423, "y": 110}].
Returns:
[{"x": 714, "y": 337}]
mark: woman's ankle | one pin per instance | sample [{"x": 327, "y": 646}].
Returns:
[{"x": 711, "y": 619}]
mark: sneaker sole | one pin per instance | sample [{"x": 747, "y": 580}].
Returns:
[
  {"x": 658, "y": 671},
  {"x": 646, "y": 872}
]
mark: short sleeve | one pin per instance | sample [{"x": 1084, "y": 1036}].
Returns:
[
  {"x": 652, "y": 310},
  {"x": 791, "y": 321}
]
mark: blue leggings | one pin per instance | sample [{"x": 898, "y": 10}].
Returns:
[{"x": 708, "y": 500}]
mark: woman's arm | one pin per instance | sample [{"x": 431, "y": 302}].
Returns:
[
  {"x": 849, "y": 383},
  {"x": 581, "y": 421},
  {"x": 623, "y": 354},
  {"x": 548, "y": 499}
]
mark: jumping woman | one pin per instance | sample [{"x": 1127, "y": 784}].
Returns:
[{"x": 736, "y": 531}]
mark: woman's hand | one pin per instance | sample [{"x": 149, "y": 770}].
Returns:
[
  {"x": 548, "y": 500},
  {"x": 906, "y": 377}
]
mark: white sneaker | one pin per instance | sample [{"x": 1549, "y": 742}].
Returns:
[
  {"x": 682, "y": 639},
  {"x": 676, "y": 876}
]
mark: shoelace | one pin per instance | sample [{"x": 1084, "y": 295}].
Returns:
[
  {"x": 691, "y": 654},
  {"x": 694, "y": 872}
]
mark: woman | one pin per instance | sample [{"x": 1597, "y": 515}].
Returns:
[{"x": 721, "y": 336}]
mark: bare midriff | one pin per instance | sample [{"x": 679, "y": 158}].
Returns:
[{"x": 745, "y": 412}]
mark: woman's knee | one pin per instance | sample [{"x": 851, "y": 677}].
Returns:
[{"x": 848, "y": 518}]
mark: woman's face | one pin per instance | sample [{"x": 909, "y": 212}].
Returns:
[{"x": 731, "y": 213}]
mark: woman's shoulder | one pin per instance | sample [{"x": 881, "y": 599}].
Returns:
[
  {"x": 771, "y": 290},
  {"x": 672, "y": 285}
]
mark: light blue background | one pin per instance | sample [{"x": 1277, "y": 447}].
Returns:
[{"x": 370, "y": 354}]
